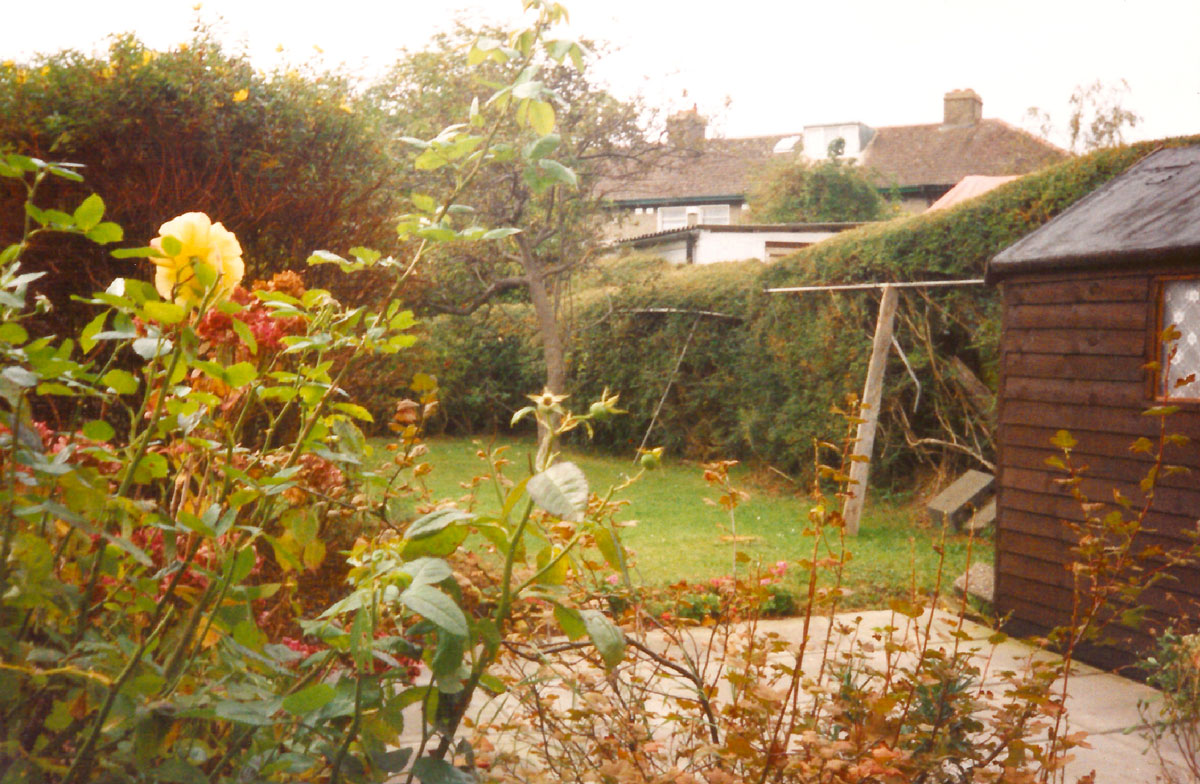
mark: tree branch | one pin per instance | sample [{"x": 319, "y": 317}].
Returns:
[{"x": 478, "y": 301}]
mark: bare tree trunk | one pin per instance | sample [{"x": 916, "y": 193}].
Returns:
[{"x": 552, "y": 342}]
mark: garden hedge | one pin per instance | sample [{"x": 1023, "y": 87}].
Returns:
[{"x": 761, "y": 385}]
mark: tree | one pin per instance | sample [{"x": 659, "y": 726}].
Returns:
[
  {"x": 800, "y": 191},
  {"x": 1097, "y": 118},
  {"x": 544, "y": 184}
]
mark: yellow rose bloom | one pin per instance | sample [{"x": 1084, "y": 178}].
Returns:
[{"x": 200, "y": 240}]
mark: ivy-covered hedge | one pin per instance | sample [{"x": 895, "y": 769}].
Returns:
[{"x": 761, "y": 385}]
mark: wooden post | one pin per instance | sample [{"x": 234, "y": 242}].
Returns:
[{"x": 872, "y": 393}]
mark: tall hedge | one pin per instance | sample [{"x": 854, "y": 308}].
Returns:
[
  {"x": 761, "y": 386},
  {"x": 289, "y": 161}
]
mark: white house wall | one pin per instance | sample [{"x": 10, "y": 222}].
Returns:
[{"x": 714, "y": 246}]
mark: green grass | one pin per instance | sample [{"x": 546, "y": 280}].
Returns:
[{"x": 678, "y": 536}]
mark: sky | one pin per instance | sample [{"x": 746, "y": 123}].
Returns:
[{"x": 754, "y": 67}]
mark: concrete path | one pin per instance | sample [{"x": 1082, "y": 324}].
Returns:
[
  {"x": 1104, "y": 705},
  {"x": 1107, "y": 707}
]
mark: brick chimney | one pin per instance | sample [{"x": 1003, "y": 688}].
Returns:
[
  {"x": 962, "y": 107},
  {"x": 686, "y": 129}
]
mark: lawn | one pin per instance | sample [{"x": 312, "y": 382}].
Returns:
[{"x": 679, "y": 537}]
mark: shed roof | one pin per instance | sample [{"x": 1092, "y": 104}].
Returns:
[{"x": 1149, "y": 213}]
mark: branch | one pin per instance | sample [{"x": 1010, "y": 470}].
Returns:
[{"x": 496, "y": 287}]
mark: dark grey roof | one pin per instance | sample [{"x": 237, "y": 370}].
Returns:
[
  {"x": 1149, "y": 213},
  {"x": 741, "y": 228}
]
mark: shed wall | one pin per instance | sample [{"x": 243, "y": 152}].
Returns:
[{"x": 1073, "y": 352}]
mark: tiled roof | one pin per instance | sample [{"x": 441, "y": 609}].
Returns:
[
  {"x": 902, "y": 156},
  {"x": 723, "y": 167},
  {"x": 915, "y": 155}
]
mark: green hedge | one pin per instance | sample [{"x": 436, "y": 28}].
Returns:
[{"x": 762, "y": 387}]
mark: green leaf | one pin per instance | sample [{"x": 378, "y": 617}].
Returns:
[
  {"x": 165, "y": 312},
  {"x": 240, "y": 375},
  {"x": 433, "y": 522},
  {"x": 570, "y": 621},
  {"x": 543, "y": 147},
  {"x": 429, "y": 571},
  {"x": 243, "y": 564},
  {"x": 87, "y": 336},
  {"x": 609, "y": 547},
  {"x": 439, "y": 545},
  {"x": 98, "y": 430},
  {"x": 435, "y": 606},
  {"x": 558, "y": 172},
  {"x": 105, "y": 233},
  {"x": 541, "y": 117},
  {"x": 247, "y": 337},
  {"x": 120, "y": 381},
  {"x": 13, "y": 333},
  {"x": 171, "y": 246},
  {"x": 354, "y": 410},
  {"x": 89, "y": 213},
  {"x": 308, "y": 699},
  {"x": 424, "y": 203},
  {"x": 562, "y": 490},
  {"x": 153, "y": 466},
  {"x": 136, "y": 253},
  {"x": 206, "y": 274},
  {"x": 497, "y": 234},
  {"x": 430, "y": 160},
  {"x": 255, "y": 713},
  {"x": 429, "y": 770},
  {"x": 606, "y": 636}
]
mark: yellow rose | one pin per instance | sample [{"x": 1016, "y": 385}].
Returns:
[{"x": 200, "y": 240}]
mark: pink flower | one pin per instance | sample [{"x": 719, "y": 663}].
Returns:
[{"x": 612, "y": 579}]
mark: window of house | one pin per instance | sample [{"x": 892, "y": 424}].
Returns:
[
  {"x": 672, "y": 218},
  {"x": 715, "y": 214},
  {"x": 682, "y": 217},
  {"x": 1179, "y": 306}
]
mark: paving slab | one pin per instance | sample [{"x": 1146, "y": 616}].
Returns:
[{"x": 961, "y": 499}]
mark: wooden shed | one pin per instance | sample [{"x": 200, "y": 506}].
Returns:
[{"x": 1086, "y": 298}]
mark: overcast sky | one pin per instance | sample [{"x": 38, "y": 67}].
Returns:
[{"x": 755, "y": 66}]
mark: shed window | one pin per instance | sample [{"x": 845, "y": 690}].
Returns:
[{"x": 1181, "y": 360}]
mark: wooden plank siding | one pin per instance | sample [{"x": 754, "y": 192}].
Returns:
[{"x": 1073, "y": 352}]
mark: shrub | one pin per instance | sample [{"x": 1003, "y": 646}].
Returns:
[{"x": 289, "y": 161}]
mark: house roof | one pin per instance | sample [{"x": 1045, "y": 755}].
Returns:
[
  {"x": 968, "y": 188},
  {"x": 741, "y": 228},
  {"x": 908, "y": 156},
  {"x": 1149, "y": 213},
  {"x": 721, "y": 168},
  {"x": 905, "y": 156}
]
